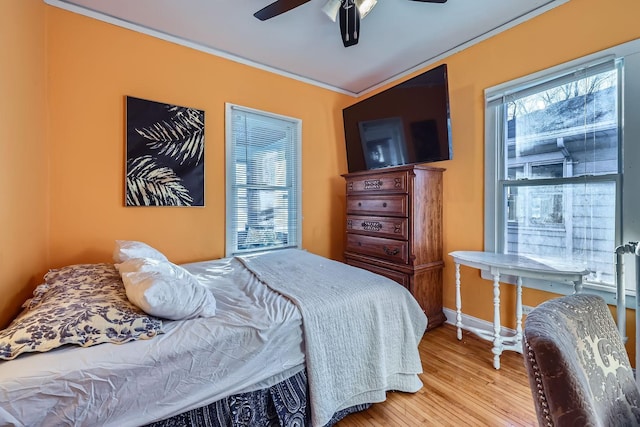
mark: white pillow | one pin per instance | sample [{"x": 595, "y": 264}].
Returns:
[
  {"x": 129, "y": 249},
  {"x": 164, "y": 289}
]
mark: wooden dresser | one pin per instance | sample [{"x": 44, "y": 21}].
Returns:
[{"x": 394, "y": 228}]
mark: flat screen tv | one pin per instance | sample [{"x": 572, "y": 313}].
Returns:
[{"x": 405, "y": 124}]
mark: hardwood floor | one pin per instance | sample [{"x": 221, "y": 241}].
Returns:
[{"x": 461, "y": 388}]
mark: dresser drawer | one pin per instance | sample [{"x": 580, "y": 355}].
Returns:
[
  {"x": 396, "y": 276},
  {"x": 396, "y": 182},
  {"x": 395, "y": 228},
  {"x": 379, "y": 247},
  {"x": 391, "y": 204}
]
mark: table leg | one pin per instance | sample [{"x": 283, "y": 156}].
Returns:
[
  {"x": 497, "y": 338},
  {"x": 577, "y": 287},
  {"x": 519, "y": 310},
  {"x": 458, "y": 303}
]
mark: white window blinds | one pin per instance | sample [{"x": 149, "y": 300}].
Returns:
[{"x": 263, "y": 181}]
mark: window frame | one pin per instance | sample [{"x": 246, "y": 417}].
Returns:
[
  {"x": 496, "y": 221},
  {"x": 295, "y": 220}
]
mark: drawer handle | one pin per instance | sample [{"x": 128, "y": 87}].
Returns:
[
  {"x": 371, "y": 225},
  {"x": 384, "y": 205},
  {"x": 391, "y": 252},
  {"x": 372, "y": 184},
  {"x": 359, "y": 204}
]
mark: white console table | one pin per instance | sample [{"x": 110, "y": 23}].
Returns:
[{"x": 518, "y": 266}]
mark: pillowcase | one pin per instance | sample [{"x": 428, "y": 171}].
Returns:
[
  {"x": 164, "y": 289},
  {"x": 82, "y": 304},
  {"x": 130, "y": 249}
]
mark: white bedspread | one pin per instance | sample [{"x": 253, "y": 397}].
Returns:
[
  {"x": 361, "y": 330},
  {"x": 253, "y": 342}
]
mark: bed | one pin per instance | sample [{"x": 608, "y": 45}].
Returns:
[{"x": 296, "y": 339}]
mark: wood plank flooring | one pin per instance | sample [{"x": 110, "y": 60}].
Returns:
[{"x": 461, "y": 388}]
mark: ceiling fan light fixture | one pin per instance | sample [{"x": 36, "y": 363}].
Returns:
[
  {"x": 365, "y": 6},
  {"x": 331, "y": 8}
]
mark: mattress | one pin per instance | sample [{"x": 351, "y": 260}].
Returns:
[{"x": 253, "y": 342}]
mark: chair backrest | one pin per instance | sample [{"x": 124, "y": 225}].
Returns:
[{"x": 578, "y": 368}]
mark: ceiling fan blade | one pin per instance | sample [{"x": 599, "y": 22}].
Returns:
[
  {"x": 278, "y": 7},
  {"x": 432, "y": 1}
]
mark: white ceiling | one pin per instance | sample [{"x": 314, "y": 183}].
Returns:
[{"x": 397, "y": 37}]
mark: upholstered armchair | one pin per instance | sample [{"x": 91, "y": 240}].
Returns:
[{"x": 578, "y": 368}]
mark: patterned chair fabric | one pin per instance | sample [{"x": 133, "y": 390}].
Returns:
[{"x": 578, "y": 368}]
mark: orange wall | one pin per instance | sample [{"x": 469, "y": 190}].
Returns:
[
  {"x": 23, "y": 152},
  {"x": 570, "y": 31},
  {"x": 93, "y": 66}
]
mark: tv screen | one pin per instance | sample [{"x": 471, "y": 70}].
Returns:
[{"x": 406, "y": 124}]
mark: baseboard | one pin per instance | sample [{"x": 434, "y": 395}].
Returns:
[{"x": 474, "y": 322}]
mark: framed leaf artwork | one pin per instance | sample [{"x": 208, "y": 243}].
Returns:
[{"x": 165, "y": 154}]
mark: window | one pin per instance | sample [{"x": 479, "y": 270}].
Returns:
[
  {"x": 554, "y": 167},
  {"x": 263, "y": 181}
]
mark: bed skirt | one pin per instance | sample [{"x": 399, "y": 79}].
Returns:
[{"x": 282, "y": 405}]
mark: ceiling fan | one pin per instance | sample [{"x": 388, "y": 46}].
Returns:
[{"x": 350, "y": 12}]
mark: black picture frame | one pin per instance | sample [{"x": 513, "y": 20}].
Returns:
[{"x": 164, "y": 154}]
